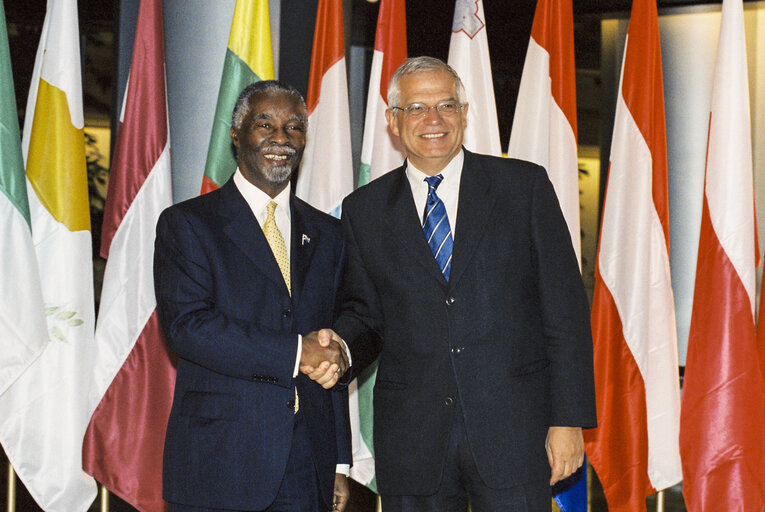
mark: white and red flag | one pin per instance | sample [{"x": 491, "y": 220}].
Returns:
[
  {"x": 380, "y": 150},
  {"x": 469, "y": 56},
  {"x": 544, "y": 125},
  {"x": 326, "y": 173},
  {"x": 134, "y": 372},
  {"x": 722, "y": 436},
  {"x": 635, "y": 449}
]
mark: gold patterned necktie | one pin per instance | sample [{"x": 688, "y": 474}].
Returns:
[{"x": 276, "y": 241}]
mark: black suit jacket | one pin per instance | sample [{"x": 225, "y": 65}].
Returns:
[
  {"x": 226, "y": 312},
  {"x": 506, "y": 341}
]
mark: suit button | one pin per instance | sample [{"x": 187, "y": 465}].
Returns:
[
  {"x": 450, "y": 301},
  {"x": 287, "y": 313},
  {"x": 291, "y": 404},
  {"x": 448, "y": 401}
]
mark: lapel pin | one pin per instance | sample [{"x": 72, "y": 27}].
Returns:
[{"x": 306, "y": 239}]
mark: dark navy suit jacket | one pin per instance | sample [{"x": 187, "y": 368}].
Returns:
[
  {"x": 227, "y": 313},
  {"x": 506, "y": 341}
]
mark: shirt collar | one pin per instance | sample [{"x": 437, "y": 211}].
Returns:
[
  {"x": 451, "y": 172},
  {"x": 257, "y": 199}
]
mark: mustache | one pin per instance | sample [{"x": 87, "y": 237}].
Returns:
[{"x": 278, "y": 150}]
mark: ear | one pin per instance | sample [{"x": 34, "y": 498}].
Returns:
[
  {"x": 391, "y": 118},
  {"x": 234, "y": 137}
]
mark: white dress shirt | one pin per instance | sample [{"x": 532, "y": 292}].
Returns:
[
  {"x": 258, "y": 202},
  {"x": 448, "y": 190}
]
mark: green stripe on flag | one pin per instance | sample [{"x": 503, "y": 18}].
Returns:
[
  {"x": 365, "y": 171},
  {"x": 12, "y": 177},
  {"x": 366, "y": 384},
  {"x": 221, "y": 162}
]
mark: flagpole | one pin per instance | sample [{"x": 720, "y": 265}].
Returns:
[
  {"x": 11, "y": 489},
  {"x": 104, "y": 499},
  {"x": 660, "y": 501}
]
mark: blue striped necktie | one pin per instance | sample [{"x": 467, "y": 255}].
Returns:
[{"x": 435, "y": 223}]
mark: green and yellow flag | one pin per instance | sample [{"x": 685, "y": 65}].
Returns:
[{"x": 248, "y": 59}]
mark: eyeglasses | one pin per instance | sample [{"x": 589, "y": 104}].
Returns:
[{"x": 418, "y": 110}]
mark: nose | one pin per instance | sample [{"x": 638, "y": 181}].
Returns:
[
  {"x": 433, "y": 115},
  {"x": 279, "y": 137}
]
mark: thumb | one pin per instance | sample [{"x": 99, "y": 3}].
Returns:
[{"x": 324, "y": 336}]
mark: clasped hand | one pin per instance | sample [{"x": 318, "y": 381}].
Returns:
[{"x": 323, "y": 357}]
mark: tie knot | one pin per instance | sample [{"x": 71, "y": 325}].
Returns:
[
  {"x": 434, "y": 181},
  {"x": 271, "y": 208}
]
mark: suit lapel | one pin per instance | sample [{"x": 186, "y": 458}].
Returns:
[
  {"x": 473, "y": 213},
  {"x": 406, "y": 225},
  {"x": 241, "y": 226},
  {"x": 304, "y": 240}
]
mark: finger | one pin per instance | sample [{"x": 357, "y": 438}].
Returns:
[
  {"x": 331, "y": 383},
  {"x": 328, "y": 374},
  {"x": 307, "y": 369}
]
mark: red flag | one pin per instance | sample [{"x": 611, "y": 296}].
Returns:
[
  {"x": 135, "y": 374},
  {"x": 722, "y": 436},
  {"x": 635, "y": 449}
]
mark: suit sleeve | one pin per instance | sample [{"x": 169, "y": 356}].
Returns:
[
  {"x": 195, "y": 327},
  {"x": 565, "y": 311},
  {"x": 340, "y": 394},
  {"x": 360, "y": 321}
]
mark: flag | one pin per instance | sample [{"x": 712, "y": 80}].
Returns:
[
  {"x": 326, "y": 173},
  {"x": 248, "y": 59},
  {"x": 469, "y": 56},
  {"x": 544, "y": 127},
  {"x": 380, "y": 150},
  {"x": 544, "y": 132},
  {"x": 722, "y": 426},
  {"x": 134, "y": 373},
  {"x": 22, "y": 318},
  {"x": 43, "y": 415},
  {"x": 635, "y": 449}
]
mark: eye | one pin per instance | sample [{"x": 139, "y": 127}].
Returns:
[
  {"x": 447, "y": 107},
  {"x": 416, "y": 109},
  {"x": 296, "y": 128},
  {"x": 263, "y": 124}
]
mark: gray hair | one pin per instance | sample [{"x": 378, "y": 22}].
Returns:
[
  {"x": 242, "y": 106},
  {"x": 417, "y": 65}
]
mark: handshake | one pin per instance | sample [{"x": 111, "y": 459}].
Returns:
[{"x": 324, "y": 357}]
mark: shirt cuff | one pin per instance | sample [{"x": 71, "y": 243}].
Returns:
[
  {"x": 297, "y": 357},
  {"x": 343, "y": 469},
  {"x": 347, "y": 351}
]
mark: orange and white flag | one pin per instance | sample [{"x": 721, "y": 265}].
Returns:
[
  {"x": 380, "y": 150},
  {"x": 544, "y": 126},
  {"x": 635, "y": 449},
  {"x": 326, "y": 173}
]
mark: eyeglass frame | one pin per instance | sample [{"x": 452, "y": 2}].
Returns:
[{"x": 426, "y": 111}]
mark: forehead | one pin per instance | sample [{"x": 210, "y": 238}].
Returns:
[
  {"x": 275, "y": 103},
  {"x": 425, "y": 86}
]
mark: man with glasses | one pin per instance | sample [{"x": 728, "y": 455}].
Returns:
[{"x": 462, "y": 278}]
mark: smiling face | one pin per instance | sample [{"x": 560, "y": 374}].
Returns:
[
  {"x": 433, "y": 140},
  {"x": 270, "y": 140}
]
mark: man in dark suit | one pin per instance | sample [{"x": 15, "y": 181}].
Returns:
[
  {"x": 461, "y": 277},
  {"x": 242, "y": 275}
]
